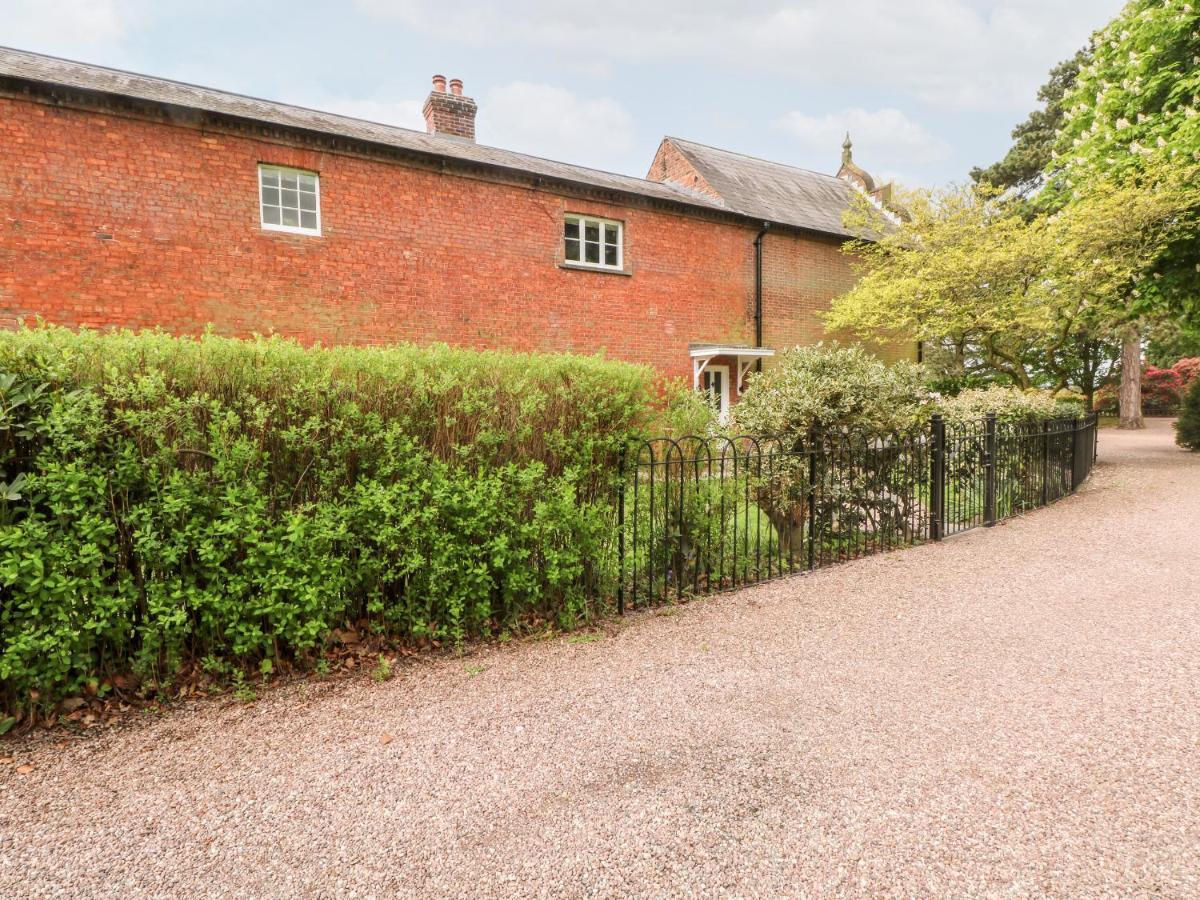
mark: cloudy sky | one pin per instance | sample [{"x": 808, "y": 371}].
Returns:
[{"x": 927, "y": 88}]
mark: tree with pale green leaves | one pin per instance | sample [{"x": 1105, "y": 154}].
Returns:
[
  {"x": 1025, "y": 296},
  {"x": 960, "y": 272}
]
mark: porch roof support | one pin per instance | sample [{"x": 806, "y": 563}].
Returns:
[{"x": 703, "y": 354}]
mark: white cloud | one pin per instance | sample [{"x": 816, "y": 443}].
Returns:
[
  {"x": 553, "y": 122},
  {"x": 882, "y": 138},
  {"x": 948, "y": 53},
  {"x": 65, "y": 27}
]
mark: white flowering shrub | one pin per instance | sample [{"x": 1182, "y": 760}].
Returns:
[
  {"x": 832, "y": 388},
  {"x": 1010, "y": 404}
]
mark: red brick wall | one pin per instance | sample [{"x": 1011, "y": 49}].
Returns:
[
  {"x": 801, "y": 275},
  {"x": 113, "y": 221}
]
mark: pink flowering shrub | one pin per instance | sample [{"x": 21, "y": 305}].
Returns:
[
  {"x": 1188, "y": 369},
  {"x": 1162, "y": 389}
]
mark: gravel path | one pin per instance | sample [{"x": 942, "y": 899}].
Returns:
[{"x": 1014, "y": 712}]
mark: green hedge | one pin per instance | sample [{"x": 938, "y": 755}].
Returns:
[
  {"x": 168, "y": 498},
  {"x": 1187, "y": 428}
]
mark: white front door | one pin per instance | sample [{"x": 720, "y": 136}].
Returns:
[{"x": 714, "y": 381}]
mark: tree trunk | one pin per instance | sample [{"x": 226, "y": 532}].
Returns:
[
  {"x": 789, "y": 525},
  {"x": 1088, "y": 379},
  {"x": 1131, "y": 380}
]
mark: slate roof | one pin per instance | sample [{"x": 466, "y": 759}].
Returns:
[
  {"x": 748, "y": 187},
  {"x": 771, "y": 191}
]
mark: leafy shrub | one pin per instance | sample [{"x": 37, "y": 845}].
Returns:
[
  {"x": 828, "y": 387},
  {"x": 1187, "y": 429},
  {"x": 1069, "y": 404},
  {"x": 1023, "y": 432},
  {"x": 684, "y": 411},
  {"x": 1188, "y": 369},
  {"x": 1106, "y": 400},
  {"x": 857, "y": 404},
  {"x": 1162, "y": 391},
  {"x": 1010, "y": 404},
  {"x": 237, "y": 500},
  {"x": 831, "y": 391}
]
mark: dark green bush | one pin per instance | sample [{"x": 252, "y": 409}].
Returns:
[
  {"x": 165, "y": 499},
  {"x": 1187, "y": 428}
]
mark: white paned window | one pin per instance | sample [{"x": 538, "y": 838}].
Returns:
[
  {"x": 592, "y": 242},
  {"x": 289, "y": 200}
]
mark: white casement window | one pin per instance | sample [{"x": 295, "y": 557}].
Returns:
[
  {"x": 289, "y": 200},
  {"x": 592, "y": 242}
]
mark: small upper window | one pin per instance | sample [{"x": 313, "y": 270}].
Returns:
[
  {"x": 289, "y": 200},
  {"x": 593, "y": 242}
]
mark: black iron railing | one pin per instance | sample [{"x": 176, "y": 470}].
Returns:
[{"x": 698, "y": 515}]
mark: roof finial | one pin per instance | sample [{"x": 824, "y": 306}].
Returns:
[{"x": 852, "y": 172}]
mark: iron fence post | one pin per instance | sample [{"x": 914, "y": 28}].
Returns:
[
  {"x": 680, "y": 554},
  {"x": 989, "y": 471},
  {"x": 621, "y": 533},
  {"x": 937, "y": 475},
  {"x": 812, "y": 498},
  {"x": 1045, "y": 462},
  {"x": 1074, "y": 454}
]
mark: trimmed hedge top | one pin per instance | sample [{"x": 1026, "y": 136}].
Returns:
[{"x": 479, "y": 407}]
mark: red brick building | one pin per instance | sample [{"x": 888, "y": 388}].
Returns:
[{"x": 134, "y": 201}]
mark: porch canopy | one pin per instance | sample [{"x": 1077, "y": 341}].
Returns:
[{"x": 703, "y": 354}]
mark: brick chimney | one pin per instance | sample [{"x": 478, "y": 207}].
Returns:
[{"x": 451, "y": 113}]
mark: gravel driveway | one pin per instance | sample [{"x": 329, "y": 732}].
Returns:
[{"x": 1013, "y": 712}]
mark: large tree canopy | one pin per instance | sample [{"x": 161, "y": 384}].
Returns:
[
  {"x": 958, "y": 270},
  {"x": 1093, "y": 240}
]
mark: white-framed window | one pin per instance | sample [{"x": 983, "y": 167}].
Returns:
[
  {"x": 592, "y": 242},
  {"x": 289, "y": 199}
]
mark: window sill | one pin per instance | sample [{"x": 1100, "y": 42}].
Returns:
[
  {"x": 288, "y": 229},
  {"x": 580, "y": 267}
]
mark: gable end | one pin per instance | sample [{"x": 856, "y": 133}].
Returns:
[{"x": 671, "y": 166}]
